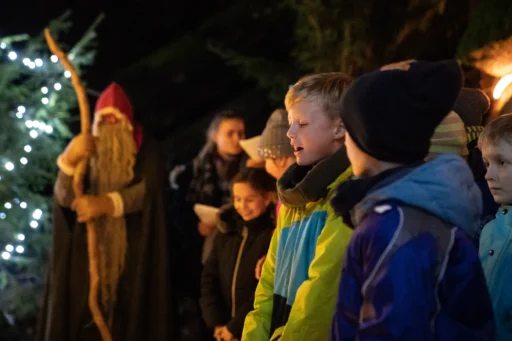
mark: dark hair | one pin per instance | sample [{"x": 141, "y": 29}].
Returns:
[
  {"x": 258, "y": 178},
  {"x": 219, "y": 118}
]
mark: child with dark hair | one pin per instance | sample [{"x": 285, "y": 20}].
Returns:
[{"x": 228, "y": 282}]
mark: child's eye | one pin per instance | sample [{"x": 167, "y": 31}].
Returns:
[
  {"x": 501, "y": 162},
  {"x": 486, "y": 164},
  {"x": 302, "y": 124}
]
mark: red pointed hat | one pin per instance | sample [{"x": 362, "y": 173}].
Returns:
[{"x": 114, "y": 101}]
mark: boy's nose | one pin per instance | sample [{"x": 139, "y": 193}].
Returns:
[
  {"x": 291, "y": 132},
  {"x": 490, "y": 173}
]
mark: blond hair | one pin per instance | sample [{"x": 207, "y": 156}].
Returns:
[
  {"x": 325, "y": 89},
  {"x": 499, "y": 129}
]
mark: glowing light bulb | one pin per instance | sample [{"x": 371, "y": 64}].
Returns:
[
  {"x": 27, "y": 148},
  {"x": 24, "y": 160},
  {"x": 21, "y": 109},
  {"x": 3, "y": 215},
  {"x": 34, "y": 224},
  {"x": 23, "y": 205},
  {"x": 20, "y": 249},
  {"x": 45, "y": 100},
  {"x": 49, "y": 129},
  {"x": 8, "y": 205},
  {"x": 502, "y": 84},
  {"x": 33, "y": 134},
  {"x": 6, "y": 255},
  {"x": 39, "y": 62},
  {"x": 42, "y": 126},
  {"x": 29, "y": 124},
  {"x": 57, "y": 86},
  {"x": 44, "y": 90},
  {"x": 19, "y": 115},
  {"x": 67, "y": 74},
  {"x": 32, "y": 65},
  {"x": 9, "y": 166},
  {"x": 26, "y": 61},
  {"x": 35, "y": 124},
  {"x": 54, "y": 58},
  {"x": 9, "y": 247},
  {"x": 3, "y": 46},
  {"x": 37, "y": 214},
  {"x": 12, "y": 55},
  {"x": 21, "y": 237}
]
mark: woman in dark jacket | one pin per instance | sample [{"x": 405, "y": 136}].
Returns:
[{"x": 228, "y": 282}]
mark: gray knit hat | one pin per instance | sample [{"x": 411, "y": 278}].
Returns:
[{"x": 274, "y": 143}]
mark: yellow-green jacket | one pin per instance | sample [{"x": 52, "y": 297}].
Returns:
[{"x": 296, "y": 295}]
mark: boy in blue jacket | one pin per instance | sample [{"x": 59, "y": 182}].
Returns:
[
  {"x": 496, "y": 239},
  {"x": 410, "y": 272}
]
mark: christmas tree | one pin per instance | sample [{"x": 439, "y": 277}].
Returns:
[{"x": 37, "y": 106}]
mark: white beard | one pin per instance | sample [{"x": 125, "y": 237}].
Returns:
[{"x": 111, "y": 170}]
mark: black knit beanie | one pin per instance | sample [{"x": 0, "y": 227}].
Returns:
[{"x": 391, "y": 114}]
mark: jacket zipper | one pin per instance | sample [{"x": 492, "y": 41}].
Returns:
[{"x": 235, "y": 273}]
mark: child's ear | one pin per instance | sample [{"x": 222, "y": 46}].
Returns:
[{"x": 339, "y": 131}]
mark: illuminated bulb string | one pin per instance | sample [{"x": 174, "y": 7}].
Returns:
[{"x": 31, "y": 125}]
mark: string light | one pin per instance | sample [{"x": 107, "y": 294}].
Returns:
[
  {"x": 19, "y": 115},
  {"x": 24, "y": 160},
  {"x": 29, "y": 124},
  {"x": 33, "y": 134},
  {"x": 39, "y": 62},
  {"x": 3, "y": 215},
  {"x": 32, "y": 65},
  {"x": 37, "y": 214},
  {"x": 67, "y": 74},
  {"x": 21, "y": 237},
  {"x": 8, "y": 205},
  {"x": 9, "y": 166},
  {"x": 35, "y": 124},
  {"x": 42, "y": 126},
  {"x": 44, "y": 90},
  {"x": 45, "y": 100},
  {"x": 23, "y": 205},
  {"x": 12, "y": 55},
  {"x": 3, "y": 46},
  {"x": 21, "y": 109},
  {"x": 6, "y": 255},
  {"x": 20, "y": 249},
  {"x": 9, "y": 247},
  {"x": 34, "y": 224},
  {"x": 49, "y": 129},
  {"x": 27, "y": 148},
  {"x": 54, "y": 58},
  {"x": 26, "y": 61},
  {"x": 57, "y": 86}
]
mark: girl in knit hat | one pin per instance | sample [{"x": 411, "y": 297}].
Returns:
[{"x": 276, "y": 150}]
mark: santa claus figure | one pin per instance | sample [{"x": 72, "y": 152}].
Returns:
[{"x": 125, "y": 201}]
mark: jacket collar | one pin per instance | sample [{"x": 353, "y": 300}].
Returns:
[{"x": 301, "y": 185}]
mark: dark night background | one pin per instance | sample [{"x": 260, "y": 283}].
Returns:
[
  {"x": 169, "y": 90},
  {"x": 161, "y": 51}
]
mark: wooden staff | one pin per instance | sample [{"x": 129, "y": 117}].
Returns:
[{"x": 78, "y": 187}]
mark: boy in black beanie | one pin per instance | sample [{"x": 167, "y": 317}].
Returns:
[{"x": 410, "y": 271}]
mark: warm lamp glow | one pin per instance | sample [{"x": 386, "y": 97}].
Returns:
[{"x": 502, "y": 84}]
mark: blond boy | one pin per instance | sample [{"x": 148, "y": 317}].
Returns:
[{"x": 296, "y": 294}]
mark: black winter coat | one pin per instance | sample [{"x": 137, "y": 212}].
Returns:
[{"x": 228, "y": 281}]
